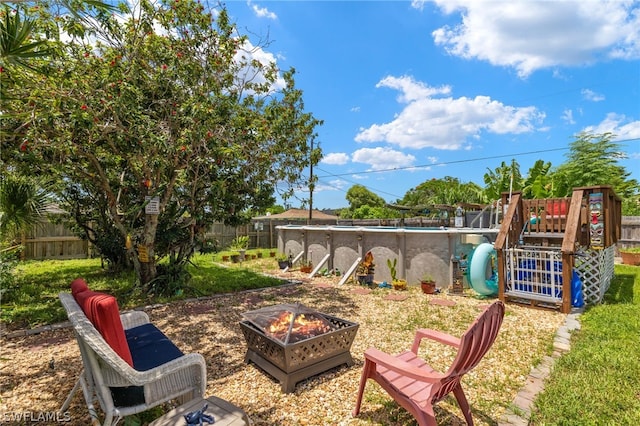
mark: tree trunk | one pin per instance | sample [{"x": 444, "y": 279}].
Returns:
[{"x": 147, "y": 270}]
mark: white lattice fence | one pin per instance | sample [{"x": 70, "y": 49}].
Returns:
[
  {"x": 595, "y": 268},
  {"x": 536, "y": 273}
]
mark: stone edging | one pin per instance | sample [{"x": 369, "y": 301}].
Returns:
[{"x": 523, "y": 402}]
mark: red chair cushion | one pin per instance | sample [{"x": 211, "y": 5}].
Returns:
[
  {"x": 102, "y": 310},
  {"x": 78, "y": 285}
]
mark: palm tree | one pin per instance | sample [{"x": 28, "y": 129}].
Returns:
[
  {"x": 16, "y": 44},
  {"x": 22, "y": 204}
]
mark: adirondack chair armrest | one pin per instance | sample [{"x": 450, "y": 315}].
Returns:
[
  {"x": 401, "y": 367},
  {"x": 133, "y": 319},
  {"x": 436, "y": 335}
]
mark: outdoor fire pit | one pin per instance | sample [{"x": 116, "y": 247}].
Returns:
[{"x": 292, "y": 342}]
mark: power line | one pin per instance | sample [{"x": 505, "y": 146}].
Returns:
[
  {"x": 375, "y": 190},
  {"x": 445, "y": 163},
  {"x": 378, "y": 191},
  {"x": 468, "y": 160}
]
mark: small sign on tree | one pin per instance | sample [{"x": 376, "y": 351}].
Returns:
[{"x": 153, "y": 205}]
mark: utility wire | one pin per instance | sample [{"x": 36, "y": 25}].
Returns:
[
  {"x": 468, "y": 160},
  {"x": 444, "y": 163}
]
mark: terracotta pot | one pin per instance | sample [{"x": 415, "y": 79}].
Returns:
[
  {"x": 428, "y": 287},
  {"x": 305, "y": 269},
  {"x": 630, "y": 258}
]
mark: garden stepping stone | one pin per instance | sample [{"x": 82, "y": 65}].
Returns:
[
  {"x": 198, "y": 309},
  {"x": 253, "y": 300},
  {"x": 322, "y": 285},
  {"x": 361, "y": 291},
  {"x": 397, "y": 297},
  {"x": 442, "y": 302}
]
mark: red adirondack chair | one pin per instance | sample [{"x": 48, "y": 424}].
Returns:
[{"x": 413, "y": 384}]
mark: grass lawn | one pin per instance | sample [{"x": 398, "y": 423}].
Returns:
[
  {"x": 33, "y": 300},
  {"x": 598, "y": 381}
]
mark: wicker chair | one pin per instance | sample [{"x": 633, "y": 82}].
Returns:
[{"x": 183, "y": 378}]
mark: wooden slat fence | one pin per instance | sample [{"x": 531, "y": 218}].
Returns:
[
  {"x": 55, "y": 241},
  {"x": 630, "y": 233}
]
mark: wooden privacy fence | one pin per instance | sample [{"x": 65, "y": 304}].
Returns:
[
  {"x": 630, "y": 235},
  {"x": 55, "y": 241}
]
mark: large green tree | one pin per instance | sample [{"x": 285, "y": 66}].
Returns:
[
  {"x": 448, "y": 190},
  {"x": 593, "y": 159},
  {"x": 160, "y": 122},
  {"x": 359, "y": 195}
]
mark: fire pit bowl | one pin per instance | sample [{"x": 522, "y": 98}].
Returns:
[{"x": 292, "y": 342}]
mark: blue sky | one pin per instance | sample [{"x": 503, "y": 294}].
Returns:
[{"x": 411, "y": 91}]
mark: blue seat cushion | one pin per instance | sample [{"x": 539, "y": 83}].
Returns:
[{"x": 149, "y": 348}]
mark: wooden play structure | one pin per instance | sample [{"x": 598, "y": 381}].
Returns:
[{"x": 558, "y": 252}]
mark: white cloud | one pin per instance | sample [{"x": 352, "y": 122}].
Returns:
[
  {"x": 418, "y": 4},
  {"x": 445, "y": 123},
  {"x": 411, "y": 90},
  {"x": 617, "y": 124},
  {"x": 382, "y": 158},
  {"x": 532, "y": 35},
  {"x": 262, "y": 12},
  {"x": 567, "y": 116},
  {"x": 590, "y": 95},
  {"x": 333, "y": 185},
  {"x": 335, "y": 158},
  {"x": 247, "y": 53}
]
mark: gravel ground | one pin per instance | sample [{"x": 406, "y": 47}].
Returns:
[{"x": 38, "y": 371}]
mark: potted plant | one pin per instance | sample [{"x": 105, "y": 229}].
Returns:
[
  {"x": 306, "y": 266},
  {"x": 361, "y": 274},
  {"x": 428, "y": 284},
  {"x": 398, "y": 283},
  {"x": 240, "y": 243},
  {"x": 366, "y": 270},
  {"x": 283, "y": 261},
  {"x": 630, "y": 255}
]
